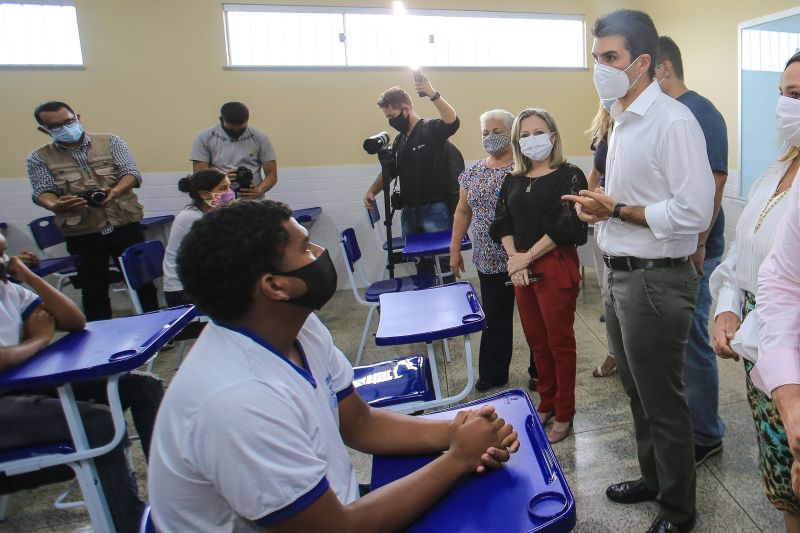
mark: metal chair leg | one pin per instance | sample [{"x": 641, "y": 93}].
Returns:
[
  {"x": 365, "y": 333},
  {"x": 5, "y": 499}
]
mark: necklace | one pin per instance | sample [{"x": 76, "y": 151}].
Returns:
[
  {"x": 774, "y": 200},
  {"x": 530, "y": 183}
]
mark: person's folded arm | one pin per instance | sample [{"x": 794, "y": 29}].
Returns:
[
  {"x": 270, "y": 176},
  {"x": 502, "y": 225},
  {"x": 383, "y": 432}
]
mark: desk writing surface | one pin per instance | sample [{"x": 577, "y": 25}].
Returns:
[
  {"x": 104, "y": 348},
  {"x": 155, "y": 221},
  {"x": 306, "y": 214},
  {"x": 439, "y": 312},
  {"x": 529, "y": 494}
]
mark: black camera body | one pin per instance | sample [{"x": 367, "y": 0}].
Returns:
[
  {"x": 93, "y": 197},
  {"x": 397, "y": 201},
  {"x": 244, "y": 178}
]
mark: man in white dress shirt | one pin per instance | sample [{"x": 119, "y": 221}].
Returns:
[{"x": 659, "y": 196}]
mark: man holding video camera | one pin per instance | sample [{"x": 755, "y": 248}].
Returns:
[
  {"x": 242, "y": 152},
  {"x": 421, "y": 163},
  {"x": 87, "y": 180}
]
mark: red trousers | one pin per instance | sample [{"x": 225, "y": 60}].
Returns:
[{"x": 547, "y": 311}]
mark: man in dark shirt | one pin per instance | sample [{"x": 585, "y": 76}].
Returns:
[
  {"x": 420, "y": 163},
  {"x": 700, "y": 370}
]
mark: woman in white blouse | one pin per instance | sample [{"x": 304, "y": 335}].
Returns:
[{"x": 734, "y": 284}]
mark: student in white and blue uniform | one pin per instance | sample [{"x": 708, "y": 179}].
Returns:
[{"x": 254, "y": 427}]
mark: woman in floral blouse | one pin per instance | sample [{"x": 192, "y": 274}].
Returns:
[{"x": 480, "y": 187}]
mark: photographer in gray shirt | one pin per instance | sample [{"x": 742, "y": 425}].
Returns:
[{"x": 232, "y": 145}]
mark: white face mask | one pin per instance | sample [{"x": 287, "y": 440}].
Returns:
[
  {"x": 787, "y": 120},
  {"x": 612, "y": 83},
  {"x": 536, "y": 147}
]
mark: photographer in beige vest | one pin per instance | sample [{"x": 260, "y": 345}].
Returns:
[{"x": 87, "y": 180}]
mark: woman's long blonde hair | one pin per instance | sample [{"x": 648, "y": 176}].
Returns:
[
  {"x": 602, "y": 123},
  {"x": 523, "y": 165}
]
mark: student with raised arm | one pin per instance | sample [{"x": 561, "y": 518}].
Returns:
[{"x": 28, "y": 321}]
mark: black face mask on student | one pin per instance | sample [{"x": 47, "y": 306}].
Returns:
[
  {"x": 400, "y": 122},
  {"x": 320, "y": 278},
  {"x": 233, "y": 134}
]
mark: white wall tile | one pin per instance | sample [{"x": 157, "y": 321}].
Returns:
[{"x": 339, "y": 190}]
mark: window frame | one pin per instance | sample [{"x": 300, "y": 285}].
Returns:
[
  {"x": 50, "y": 66},
  {"x": 345, "y": 10}
]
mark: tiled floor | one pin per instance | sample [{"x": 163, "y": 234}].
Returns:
[{"x": 601, "y": 452}]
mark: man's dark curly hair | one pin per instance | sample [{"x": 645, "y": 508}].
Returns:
[{"x": 226, "y": 251}]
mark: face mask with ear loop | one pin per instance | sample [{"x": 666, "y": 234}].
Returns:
[
  {"x": 787, "y": 120},
  {"x": 612, "y": 83}
]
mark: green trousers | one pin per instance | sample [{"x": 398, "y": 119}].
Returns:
[{"x": 648, "y": 315}]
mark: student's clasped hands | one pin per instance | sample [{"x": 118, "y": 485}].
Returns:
[{"x": 481, "y": 439}]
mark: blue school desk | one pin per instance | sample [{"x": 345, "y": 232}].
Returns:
[
  {"x": 307, "y": 215},
  {"x": 162, "y": 222},
  {"x": 427, "y": 315},
  {"x": 105, "y": 349},
  {"x": 528, "y": 494}
]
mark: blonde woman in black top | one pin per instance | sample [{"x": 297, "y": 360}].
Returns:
[{"x": 540, "y": 232}]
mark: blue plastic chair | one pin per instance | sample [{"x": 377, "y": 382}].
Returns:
[
  {"x": 395, "y": 382},
  {"x": 141, "y": 264},
  {"x": 146, "y": 525},
  {"x": 46, "y": 234},
  {"x": 352, "y": 254}
]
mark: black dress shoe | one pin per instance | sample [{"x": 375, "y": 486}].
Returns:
[
  {"x": 630, "y": 492},
  {"x": 482, "y": 385},
  {"x": 662, "y": 525}
]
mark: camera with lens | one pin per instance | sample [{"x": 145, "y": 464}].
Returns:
[
  {"x": 93, "y": 197},
  {"x": 244, "y": 178},
  {"x": 397, "y": 201},
  {"x": 376, "y": 143}
]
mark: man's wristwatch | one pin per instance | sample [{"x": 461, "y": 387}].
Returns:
[
  {"x": 616, "y": 215},
  {"x": 435, "y": 96}
]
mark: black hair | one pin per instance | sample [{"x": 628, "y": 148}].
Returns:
[
  {"x": 235, "y": 113},
  {"x": 202, "y": 180},
  {"x": 52, "y": 105},
  {"x": 794, "y": 59},
  {"x": 667, "y": 49},
  {"x": 636, "y": 27},
  {"x": 226, "y": 251}
]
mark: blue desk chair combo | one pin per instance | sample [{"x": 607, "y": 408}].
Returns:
[
  {"x": 141, "y": 264},
  {"x": 106, "y": 348},
  {"x": 352, "y": 254},
  {"x": 46, "y": 234}
]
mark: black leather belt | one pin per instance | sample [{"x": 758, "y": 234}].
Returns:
[{"x": 635, "y": 263}]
